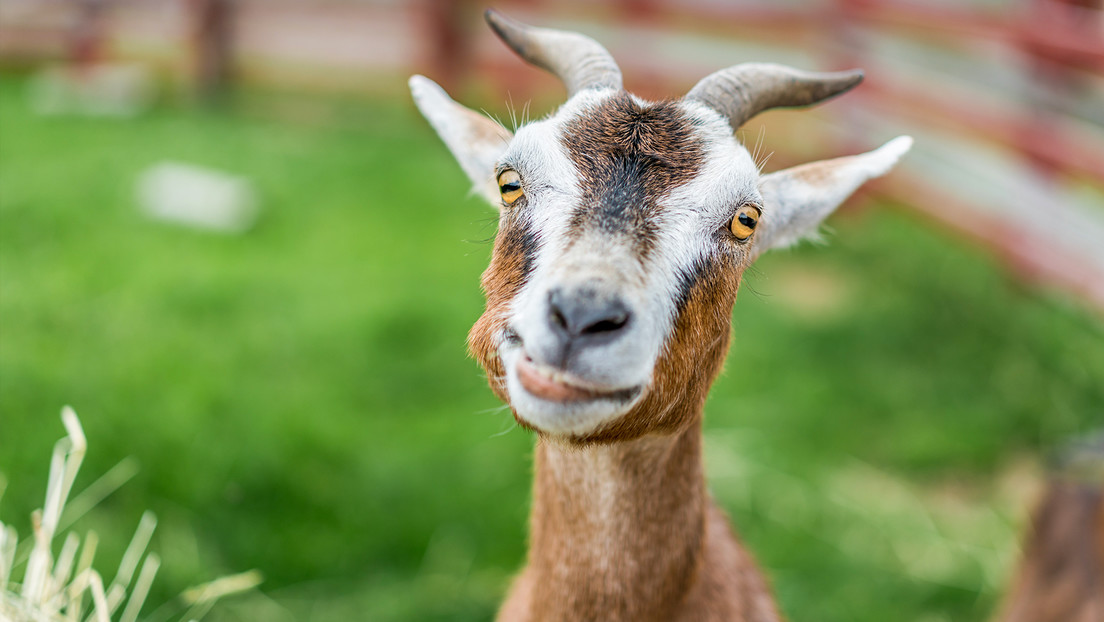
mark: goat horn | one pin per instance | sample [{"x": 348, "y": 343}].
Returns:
[
  {"x": 743, "y": 91},
  {"x": 579, "y": 61}
]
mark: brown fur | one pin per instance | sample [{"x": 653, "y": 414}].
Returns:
[
  {"x": 1061, "y": 577},
  {"x": 511, "y": 263},
  {"x": 626, "y": 532}
]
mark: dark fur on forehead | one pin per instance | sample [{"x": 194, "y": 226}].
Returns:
[{"x": 628, "y": 155}]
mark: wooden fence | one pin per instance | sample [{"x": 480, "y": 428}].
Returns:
[{"x": 1004, "y": 97}]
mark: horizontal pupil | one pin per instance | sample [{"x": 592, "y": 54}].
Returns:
[
  {"x": 747, "y": 221},
  {"x": 510, "y": 187}
]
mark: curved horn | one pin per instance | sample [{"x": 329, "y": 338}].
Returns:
[
  {"x": 743, "y": 91},
  {"x": 579, "y": 61}
]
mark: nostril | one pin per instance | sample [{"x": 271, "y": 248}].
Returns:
[
  {"x": 557, "y": 317},
  {"x": 607, "y": 325}
]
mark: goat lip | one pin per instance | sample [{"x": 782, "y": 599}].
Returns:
[{"x": 555, "y": 387}]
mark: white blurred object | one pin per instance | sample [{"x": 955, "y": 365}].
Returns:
[
  {"x": 107, "y": 90},
  {"x": 196, "y": 196}
]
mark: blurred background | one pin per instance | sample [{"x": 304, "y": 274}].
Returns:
[{"x": 230, "y": 243}]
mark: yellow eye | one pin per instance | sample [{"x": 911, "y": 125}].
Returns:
[
  {"x": 509, "y": 184},
  {"x": 743, "y": 223}
]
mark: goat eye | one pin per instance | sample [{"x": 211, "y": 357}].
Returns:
[
  {"x": 509, "y": 184},
  {"x": 743, "y": 223}
]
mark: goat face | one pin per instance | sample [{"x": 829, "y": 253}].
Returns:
[
  {"x": 624, "y": 229},
  {"x": 619, "y": 252}
]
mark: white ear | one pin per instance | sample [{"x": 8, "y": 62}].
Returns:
[
  {"x": 474, "y": 140},
  {"x": 796, "y": 200}
]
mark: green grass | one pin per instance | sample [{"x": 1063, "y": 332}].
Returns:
[{"x": 300, "y": 401}]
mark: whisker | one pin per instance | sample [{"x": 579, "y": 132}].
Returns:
[
  {"x": 497, "y": 121},
  {"x": 752, "y": 272},
  {"x": 492, "y": 411},
  {"x": 485, "y": 224},
  {"x": 513, "y": 110},
  {"x": 755, "y": 148},
  {"x": 760, "y": 163},
  {"x": 766, "y": 159}
]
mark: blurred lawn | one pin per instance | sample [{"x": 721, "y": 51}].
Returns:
[{"x": 300, "y": 401}]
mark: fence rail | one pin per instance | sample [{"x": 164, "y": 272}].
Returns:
[{"x": 1005, "y": 98}]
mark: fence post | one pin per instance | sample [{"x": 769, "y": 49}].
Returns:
[{"x": 212, "y": 43}]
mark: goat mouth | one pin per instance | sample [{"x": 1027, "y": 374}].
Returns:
[{"x": 557, "y": 386}]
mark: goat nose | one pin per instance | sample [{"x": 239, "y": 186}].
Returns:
[{"x": 586, "y": 314}]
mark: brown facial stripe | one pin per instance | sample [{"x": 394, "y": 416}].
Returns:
[
  {"x": 519, "y": 243},
  {"x": 688, "y": 279},
  {"x": 627, "y": 157},
  {"x": 511, "y": 266}
]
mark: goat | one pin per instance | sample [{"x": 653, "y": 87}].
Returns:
[{"x": 625, "y": 226}]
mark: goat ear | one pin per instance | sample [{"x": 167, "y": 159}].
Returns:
[
  {"x": 796, "y": 200},
  {"x": 475, "y": 141}
]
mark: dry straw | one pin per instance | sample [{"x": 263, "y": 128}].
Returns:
[{"x": 67, "y": 588}]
